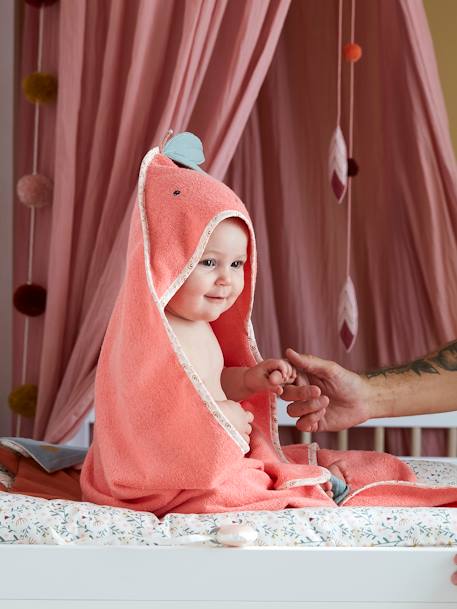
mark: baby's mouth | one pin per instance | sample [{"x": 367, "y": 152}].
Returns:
[{"x": 216, "y": 298}]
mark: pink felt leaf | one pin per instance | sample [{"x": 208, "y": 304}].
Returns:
[
  {"x": 338, "y": 164},
  {"x": 348, "y": 315}
]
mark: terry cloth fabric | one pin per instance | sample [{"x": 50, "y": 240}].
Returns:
[
  {"x": 29, "y": 478},
  {"x": 161, "y": 443}
]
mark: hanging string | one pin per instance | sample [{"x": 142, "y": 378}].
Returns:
[
  {"x": 351, "y": 142},
  {"x": 338, "y": 163},
  {"x": 339, "y": 60},
  {"x": 25, "y": 350}
]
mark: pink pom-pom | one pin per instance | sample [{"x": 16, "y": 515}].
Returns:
[{"x": 35, "y": 190}]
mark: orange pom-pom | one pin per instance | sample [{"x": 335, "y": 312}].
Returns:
[{"x": 352, "y": 52}]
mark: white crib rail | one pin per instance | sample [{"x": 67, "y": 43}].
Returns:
[{"x": 444, "y": 420}]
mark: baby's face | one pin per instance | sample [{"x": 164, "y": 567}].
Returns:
[{"x": 218, "y": 279}]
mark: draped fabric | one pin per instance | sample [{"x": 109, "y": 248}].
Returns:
[
  {"x": 404, "y": 239},
  {"x": 127, "y": 72}
]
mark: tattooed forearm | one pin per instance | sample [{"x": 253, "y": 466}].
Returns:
[
  {"x": 445, "y": 358},
  {"x": 418, "y": 366}
]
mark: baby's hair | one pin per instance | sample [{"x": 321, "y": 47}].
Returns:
[{"x": 239, "y": 222}]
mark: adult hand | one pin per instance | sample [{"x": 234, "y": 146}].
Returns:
[{"x": 342, "y": 398}]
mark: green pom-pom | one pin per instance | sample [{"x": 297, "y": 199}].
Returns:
[
  {"x": 23, "y": 400},
  {"x": 40, "y": 87}
]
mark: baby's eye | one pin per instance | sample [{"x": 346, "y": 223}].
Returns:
[
  {"x": 209, "y": 262},
  {"x": 238, "y": 264}
]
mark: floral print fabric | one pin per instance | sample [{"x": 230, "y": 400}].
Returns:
[{"x": 30, "y": 520}]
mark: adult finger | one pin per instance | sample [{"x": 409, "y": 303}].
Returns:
[
  {"x": 310, "y": 422},
  {"x": 302, "y": 393},
  {"x": 311, "y": 363},
  {"x": 301, "y": 408}
]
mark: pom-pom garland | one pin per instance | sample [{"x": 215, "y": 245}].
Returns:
[
  {"x": 23, "y": 400},
  {"x": 35, "y": 190},
  {"x": 30, "y": 299},
  {"x": 352, "y": 52},
  {"x": 40, "y": 87}
]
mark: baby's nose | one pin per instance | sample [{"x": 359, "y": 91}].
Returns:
[{"x": 224, "y": 276}]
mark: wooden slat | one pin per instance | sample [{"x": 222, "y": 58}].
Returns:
[
  {"x": 416, "y": 441},
  {"x": 343, "y": 439},
  {"x": 379, "y": 439},
  {"x": 452, "y": 442},
  {"x": 305, "y": 437}
]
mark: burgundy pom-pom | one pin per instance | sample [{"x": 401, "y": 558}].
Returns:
[
  {"x": 30, "y": 299},
  {"x": 35, "y": 190},
  {"x": 39, "y": 3},
  {"x": 353, "y": 168}
]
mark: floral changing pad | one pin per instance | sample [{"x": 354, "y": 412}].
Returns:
[{"x": 31, "y": 520}]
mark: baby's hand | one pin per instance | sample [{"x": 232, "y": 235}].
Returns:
[
  {"x": 238, "y": 417},
  {"x": 270, "y": 375}
]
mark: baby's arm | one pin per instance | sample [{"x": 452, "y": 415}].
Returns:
[{"x": 240, "y": 383}]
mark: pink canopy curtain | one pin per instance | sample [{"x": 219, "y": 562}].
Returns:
[
  {"x": 127, "y": 72},
  {"x": 404, "y": 239}
]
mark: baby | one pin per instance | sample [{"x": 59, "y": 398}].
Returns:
[{"x": 211, "y": 289}]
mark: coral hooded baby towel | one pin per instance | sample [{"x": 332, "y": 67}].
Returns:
[{"x": 161, "y": 443}]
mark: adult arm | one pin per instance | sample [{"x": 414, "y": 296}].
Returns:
[{"x": 425, "y": 385}]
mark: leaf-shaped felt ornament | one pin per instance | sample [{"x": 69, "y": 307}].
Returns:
[
  {"x": 338, "y": 164},
  {"x": 187, "y": 149},
  {"x": 348, "y": 316}
]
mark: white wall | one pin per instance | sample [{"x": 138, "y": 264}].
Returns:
[{"x": 8, "y": 40}]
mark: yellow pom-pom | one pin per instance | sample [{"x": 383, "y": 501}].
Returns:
[
  {"x": 40, "y": 87},
  {"x": 23, "y": 400}
]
